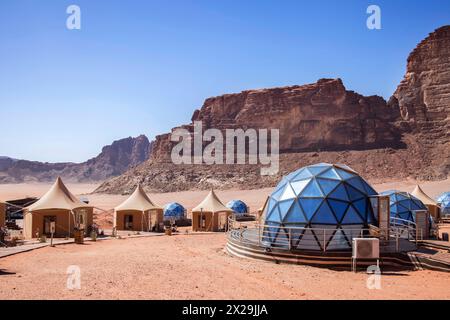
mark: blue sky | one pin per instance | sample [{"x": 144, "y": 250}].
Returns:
[{"x": 144, "y": 66}]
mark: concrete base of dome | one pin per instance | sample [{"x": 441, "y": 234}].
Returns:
[{"x": 338, "y": 260}]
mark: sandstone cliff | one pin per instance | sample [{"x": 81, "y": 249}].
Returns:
[
  {"x": 406, "y": 137},
  {"x": 114, "y": 159}
]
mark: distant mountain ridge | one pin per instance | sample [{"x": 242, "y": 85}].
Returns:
[
  {"x": 113, "y": 160},
  {"x": 405, "y": 137}
]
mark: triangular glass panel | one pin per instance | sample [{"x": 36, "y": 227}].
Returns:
[
  {"x": 401, "y": 196},
  {"x": 361, "y": 206},
  {"x": 276, "y": 195},
  {"x": 302, "y": 174},
  {"x": 324, "y": 215},
  {"x": 315, "y": 170},
  {"x": 354, "y": 194},
  {"x": 288, "y": 193},
  {"x": 308, "y": 241},
  {"x": 344, "y": 174},
  {"x": 295, "y": 215},
  {"x": 394, "y": 208},
  {"x": 330, "y": 174},
  {"x": 344, "y": 166},
  {"x": 310, "y": 206},
  {"x": 338, "y": 241},
  {"x": 327, "y": 185},
  {"x": 298, "y": 186},
  {"x": 312, "y": 190},
  {"x": 369, "y": 190},
  {"x": 352, "y": 217},
  {"x": 357, "y": 184},
  {"x": 339, "y": 193},
  {"x": 339, "y": 208},
  {"x": 284, "y": 207},
  {"x": 274, "y": 215}
]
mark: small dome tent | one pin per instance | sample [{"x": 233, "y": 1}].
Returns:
[
  {"x": 238, "y": 206},
  {"x": 175, "y": 211},
  {"x": 330, "y": 198},
  {"x": 403, "y": 205},
  {"x": 138, "y": 213},
  {"x": 211, "y": 214}
]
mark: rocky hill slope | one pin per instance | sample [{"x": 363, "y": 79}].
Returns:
[
  {"x": 114, "y": 160},
  {"x": 323, "y": 122}
]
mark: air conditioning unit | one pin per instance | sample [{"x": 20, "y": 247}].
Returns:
[{"x": 366, "y": 248}]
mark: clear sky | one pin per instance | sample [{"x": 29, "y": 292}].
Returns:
[{"x": 143, "y": 66}]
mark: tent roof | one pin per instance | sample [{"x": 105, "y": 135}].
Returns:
[
  {"x": 58, "y": 197},
  {"x": 212, "y": 204},
  {"x": 422, "y": 196},
  {"x": 138, "y": 201}
]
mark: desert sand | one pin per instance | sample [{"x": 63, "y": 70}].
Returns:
[{"x": 193, "y": 266}]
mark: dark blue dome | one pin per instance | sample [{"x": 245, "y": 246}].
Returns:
[
  {"x": 239, "y": 207},
  {"x": 321, "y": 196},
  {"x": 403, "y": 204},
  {"x": 174, "y": 211},
  {"x": 444, "y": 200}
]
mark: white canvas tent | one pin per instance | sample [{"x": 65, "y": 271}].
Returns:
[
  {"x": 211, "y": 214},
  {"x": 138, "y": 213},
  {"x": 58, "y": 205}
]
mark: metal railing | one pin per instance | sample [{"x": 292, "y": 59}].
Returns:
[
  {"x": 295, "y": 238},
  {"x": 317, "y": 239}
]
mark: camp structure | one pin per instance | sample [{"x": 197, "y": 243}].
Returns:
[
  {"x": 2, "y": 214},
  {"x": 211, "y": 214},
  {"x": 60, "y": 206},
  {"x": 260, "y": 212},
  {"x": 138, "y": 213},
  {"x": 430, "y": 203}
]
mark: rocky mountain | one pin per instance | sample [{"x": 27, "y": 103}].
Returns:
[
  {"x": 114, "y": 160},
  {"x": 323, "y": 122}
]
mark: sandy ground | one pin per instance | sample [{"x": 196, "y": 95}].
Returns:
[{"x": 193, "y": 266}]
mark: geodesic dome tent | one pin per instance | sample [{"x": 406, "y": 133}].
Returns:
[
  {"x": 322, "y": 206},
  {"x": 403, "y": 205},
  {"x": 175, "y": 211},
  {"x": 239, "y": 207},
  {"x": 444, "y": 200}
]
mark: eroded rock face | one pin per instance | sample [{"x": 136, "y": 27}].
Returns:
[
  {"x": 321, "y": 116},
  {"x": 407, "y": 137},
  {"x": 114, "y": 159},
  {"x": 423, "y": 96}
]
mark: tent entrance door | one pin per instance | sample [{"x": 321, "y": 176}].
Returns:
[
  {"x": 47, "y": 222},
  {"x": 128, "y": 222},
  {"x": 202, "y": 223}
]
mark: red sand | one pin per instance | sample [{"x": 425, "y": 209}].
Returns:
[{"x": 193, "y": 267}]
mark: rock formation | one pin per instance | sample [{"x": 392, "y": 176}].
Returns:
[
  {"x": 114, "y": 159},
  {"x": 324, "y": 122}
]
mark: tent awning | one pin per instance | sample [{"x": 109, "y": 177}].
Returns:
[
  {"x": 212, "y": 204},
  {"x": 422, "y": 196},
  {"x": 138, "y": 201},
  {"x": 58, "y": 198}
]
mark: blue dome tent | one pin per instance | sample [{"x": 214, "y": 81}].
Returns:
[
  {"x": 444, "y": 200},
  {"x": 174, "y": 211},
  {"x": 328, "y": 204},
  {"x": 239, "y": 207},
  {"x": 403, "y": 205}
]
